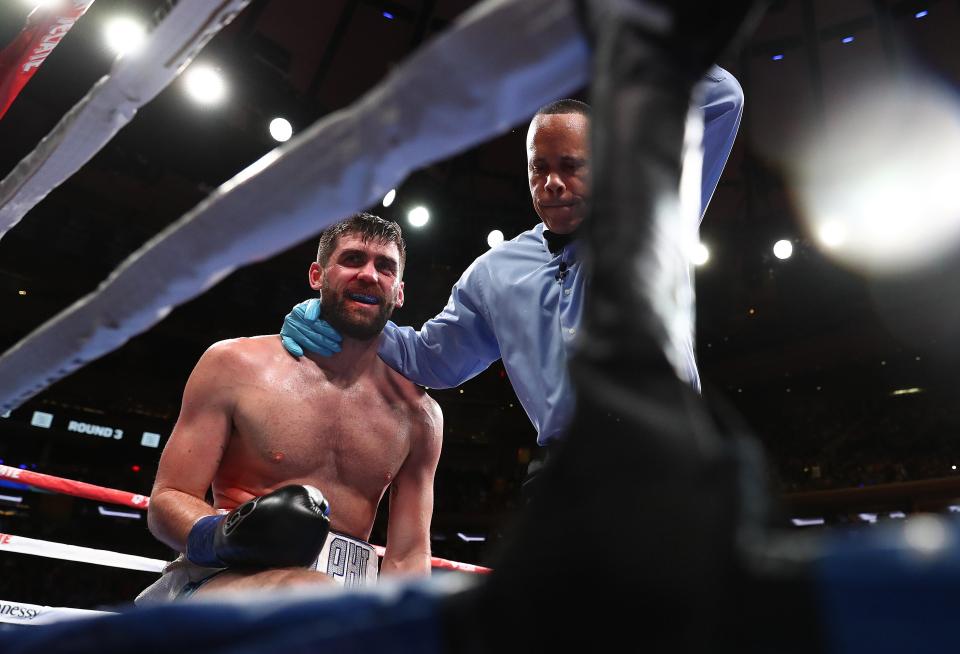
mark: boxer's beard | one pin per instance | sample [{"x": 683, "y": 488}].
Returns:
[{"x": 360, "y": 327}]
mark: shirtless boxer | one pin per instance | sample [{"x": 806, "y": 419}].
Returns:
[{"x": 258, "y": 423}]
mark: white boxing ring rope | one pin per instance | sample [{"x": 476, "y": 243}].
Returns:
[
  {"x": 455, "y": 92},
  {"x": 65, "y": 552},
  {"x": 110, "y": 104}
]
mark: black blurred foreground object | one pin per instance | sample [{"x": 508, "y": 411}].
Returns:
[
  {"x": 636, "y": 533},
  {"x": 651, "y": 530}
]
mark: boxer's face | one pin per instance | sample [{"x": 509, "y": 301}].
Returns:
[
  {"x": 360, "y": 286},
  {"x": 558, "y": 169}
]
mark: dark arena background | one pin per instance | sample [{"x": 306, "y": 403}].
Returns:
[{"x": 837, "y": 348}]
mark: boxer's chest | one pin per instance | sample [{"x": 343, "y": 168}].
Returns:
[{"x": 356, "y": 436}]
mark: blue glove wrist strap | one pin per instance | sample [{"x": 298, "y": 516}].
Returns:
[{"x": 200, "y": 542}]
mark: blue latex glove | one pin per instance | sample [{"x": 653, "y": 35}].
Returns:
[{"x": 303, "y": 329}]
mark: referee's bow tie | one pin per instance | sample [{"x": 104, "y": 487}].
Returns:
[{"x": 556, "y": 242}]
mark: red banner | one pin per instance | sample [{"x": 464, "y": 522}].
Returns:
[{"x": 45, "y": 28}]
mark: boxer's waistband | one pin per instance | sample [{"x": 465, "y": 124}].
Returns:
[{"x": 349, "y": 561}]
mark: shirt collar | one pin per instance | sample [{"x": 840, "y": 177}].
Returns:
[{"x": 556, "y": 242}]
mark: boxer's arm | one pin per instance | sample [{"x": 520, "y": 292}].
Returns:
[
  {"x": 452, "y": 347},
  {"x": 195, "y": 448},
  {"x": 411, "y": 499}
]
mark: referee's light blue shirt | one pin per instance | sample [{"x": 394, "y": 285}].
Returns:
[{"x": 512, "y": 303}]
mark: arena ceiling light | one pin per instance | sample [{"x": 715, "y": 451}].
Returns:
[
  {"x": 783, "y": 249},
  {"x": 124, "y": 35},
  {"x": 205, "y": 85},
  {"x": 471, "y": 538},
  {"x": 114, "y": 513},
  {"x": 807, "y": 522},
  {"x": 418, "y": 216},
  {"x": 389, "y": 197},
  {"x": 495, "y": 238},
  {"x": 700, "y": 254},
  {"x": 831, "y": 233},
  {"x": 878, "y": 185},
  {"x": 281, "y": 130},
  {"x": 906, "y": 391}
]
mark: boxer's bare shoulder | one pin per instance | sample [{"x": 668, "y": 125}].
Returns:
[
  {"x": 255, "y": 359},
  {"x": 411, "y": 405}
]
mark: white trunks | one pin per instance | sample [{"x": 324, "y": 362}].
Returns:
[{"x": 348, "y": 561}]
